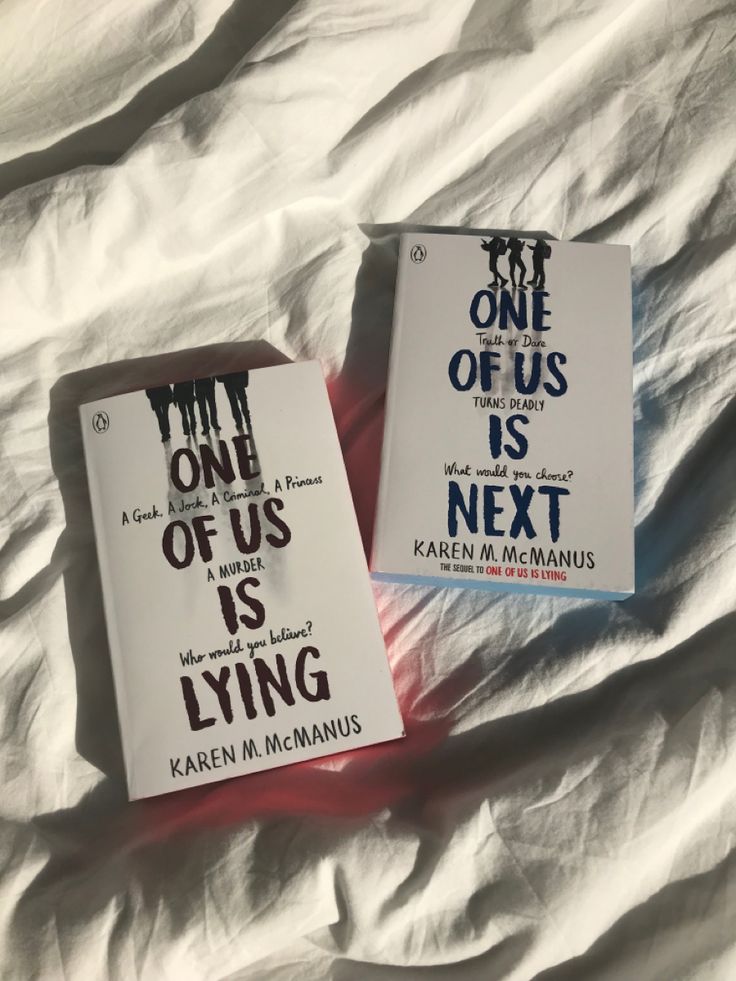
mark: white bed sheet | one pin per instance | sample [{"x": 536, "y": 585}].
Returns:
[{"x": 564, "y": 805}]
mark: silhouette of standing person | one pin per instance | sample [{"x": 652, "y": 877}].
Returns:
[
  {"x": 160, "y": 399},
  {"x": 495, "y": 248},
  {"x": 204, "y": 389},
  {"x": 235, "y": 384},
  {"x": 540, "y": 252},
  {"x": 184, "y": 399},
  {"x": 516, "y": 262}
]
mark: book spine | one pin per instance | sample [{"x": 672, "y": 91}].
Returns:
[
  {"x": 630, "y": 482},
  {"x": 108, "y": 594},
  {"x": 391, "y": 407}
]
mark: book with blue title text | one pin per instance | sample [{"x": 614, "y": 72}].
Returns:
[
  {"x": 507, "y": 458},
  {"x": 241, "y": 620}
]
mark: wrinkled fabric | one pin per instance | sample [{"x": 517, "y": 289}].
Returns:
[
  {"x": 563, "y": 805},
  {"x": 66, "y": 65}
]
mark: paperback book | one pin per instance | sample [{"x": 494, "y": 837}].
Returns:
[
  {"x": 241, "y": 620},
  {"x": 507, "y": 460}
]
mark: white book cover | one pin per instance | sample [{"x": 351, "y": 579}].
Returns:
[
  {"x": 507, "y": 459},
  {"x": 241, "y": 620}
]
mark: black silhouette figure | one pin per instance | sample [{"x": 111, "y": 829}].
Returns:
[
  {"x": 160, "y": 399},
  {"x": 235, "y": 384},
  {"x": 184, "y": 399},
  {"x": 495, "y": 248},
  {"x": 540, "y": 252},
  {"x": 516, "y": 247},
  {"x": 204, "y": 389}
]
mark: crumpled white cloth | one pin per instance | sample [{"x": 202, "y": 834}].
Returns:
[
  {"x": 564, "y": 806},
  {"x": 67, "y": 65}
]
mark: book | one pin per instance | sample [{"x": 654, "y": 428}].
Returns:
[
  {"x": 241, "y": 619},
  {"x": 507, "y": 460}
]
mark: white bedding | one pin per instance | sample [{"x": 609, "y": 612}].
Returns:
[{"x": 564, "y": 805}]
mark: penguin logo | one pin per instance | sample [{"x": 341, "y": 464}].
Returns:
[
  {"x": 100, "y": 422},
  {"x": 418, "y": 253}
]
